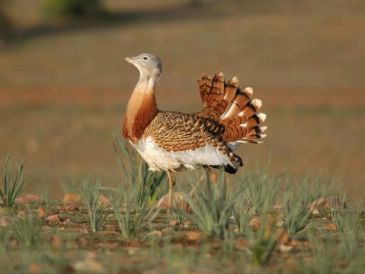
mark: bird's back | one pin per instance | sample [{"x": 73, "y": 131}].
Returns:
[{"x": 177, "y": 131}]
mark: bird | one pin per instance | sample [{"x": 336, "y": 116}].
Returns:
[{"x": 172, "y": 141}]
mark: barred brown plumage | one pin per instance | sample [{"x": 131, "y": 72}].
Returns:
[{"x": 171, "y": 141}]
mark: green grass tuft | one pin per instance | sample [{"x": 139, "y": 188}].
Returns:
[
  {"x": 27, "y": 230},
  {"x": 212, "y": 206},
  {"x": 261, "y": 242},
  {"x": 296, "y": 210},
  {"x": 12, "y": 181},
  {"x": 90, "y": 193},
  {"x": 135, "y": 173},
  {"x": 131, "y": 218},
  {"x": 261, "y": 190}
]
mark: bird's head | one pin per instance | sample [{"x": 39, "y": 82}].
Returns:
[{"x": 148, "y": 64}]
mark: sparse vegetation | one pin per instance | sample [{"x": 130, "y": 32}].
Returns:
[
  {"x": 90, "y": 194},
  {"x": 296, "y": 211},
  {"x": 27, "y": 230},
  {"x": 261, "y": 190},
  {"x": 136, "y": 174},
  {"x": 212, "y": 206},
  {"x": 262, "y": 241},
  {"x": 229, "y": 224},
  {"x": 133, "y": 219},
  {"x": 12, "y": 181},
  {"x": 137, "y": 194}
]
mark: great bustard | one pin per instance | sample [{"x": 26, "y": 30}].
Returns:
[{"x": 171, "y": 141}]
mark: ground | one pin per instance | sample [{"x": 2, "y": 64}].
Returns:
[
  {"x": 263, "y": 223},
  {"x": 64, "y": 87}
]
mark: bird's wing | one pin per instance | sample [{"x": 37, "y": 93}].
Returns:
[{"x": 176, "y": 131}]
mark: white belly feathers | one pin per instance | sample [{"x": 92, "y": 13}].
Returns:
[{"x": 159, "y": 159}]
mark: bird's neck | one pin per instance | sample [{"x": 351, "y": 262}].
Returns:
[{"x": 142, "y": 108}]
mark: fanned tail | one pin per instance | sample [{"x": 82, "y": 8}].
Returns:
[{"x": 232, "y": 107}]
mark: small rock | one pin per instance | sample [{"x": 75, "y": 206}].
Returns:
[
  {"x": 56, "y": 242},
  {"x": 327, "y": 203},
  {"x": 88, "y": 265},
  {"x": 277, "y": 206},
  {"x": 71, "y": 198},
  {"x": 65, "y": 221},
  {"x": 285, "y": 248},
  {"x": 34, "y": 268},
  {"x": 280, "y": 223},
  {"x": 241, "y": 244},
  {"x": 330, "y": 227},
  {"x": 109, "y": 227},
  {"x": 282, "y": 236},
  {"x": 53, "y": 220},
  {"x": 173, "y": 223},
  {"x": 295, "y": 243},
  {"x": 186, "y": 223},
  {"x": 5, "y": 221},
  {"x": 27, "y": 198},
  {"x": 167, "y": 230},
  {"x": 315, "y": 212},
  {"x": 21, "y": 215},
  {"x": 70, "y": 207},
  {"x": 255, "y": 223},
  {"x": 193, "y": 236},
  {"x": 132, "y": 250},
  {"x": 41, "y": 212}
]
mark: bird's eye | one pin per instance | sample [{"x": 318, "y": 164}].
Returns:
[{"x": 145, "y": 58}]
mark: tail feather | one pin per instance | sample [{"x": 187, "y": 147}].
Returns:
[
  {"x": 232, "y": 107},
  {"x": 241, "y": 99},
  {"x": 212, "y": 94}
]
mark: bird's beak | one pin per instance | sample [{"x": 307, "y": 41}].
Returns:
[{"x": 129, "y": 60}]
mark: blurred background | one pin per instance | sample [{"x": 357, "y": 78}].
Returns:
[{"x": 64, "y": 84}]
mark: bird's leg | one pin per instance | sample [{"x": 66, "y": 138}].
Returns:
[
  {"x": 206, "y": 175},
  {"x": 171, "y": 179}
]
